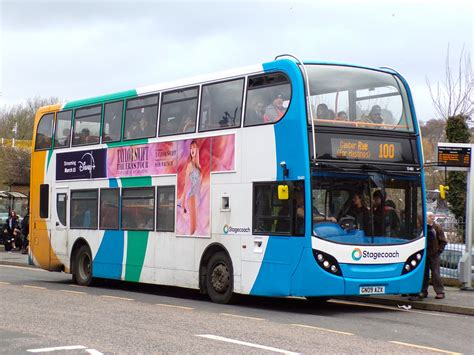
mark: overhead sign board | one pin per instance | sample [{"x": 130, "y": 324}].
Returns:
[{"x": 454, "y": 155}]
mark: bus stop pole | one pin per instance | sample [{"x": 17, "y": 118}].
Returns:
[{"x": 469, "y": 223}]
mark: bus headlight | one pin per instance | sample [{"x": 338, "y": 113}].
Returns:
[
  {"x": 327, "y": 262},
  {"x": 412, "y": 262}
]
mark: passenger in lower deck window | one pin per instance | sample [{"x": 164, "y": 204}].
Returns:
[{"x": 359, "y": 211}]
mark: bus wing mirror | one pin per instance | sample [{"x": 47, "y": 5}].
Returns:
[{"x": 283, "y": 192}]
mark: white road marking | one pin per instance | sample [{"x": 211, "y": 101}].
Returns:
[
  {"x": 322, "y": 329},
  {"x": 173, "y": 306},
  {"x": 35, "y": 287},
  {"x": 57, "y": 348},
  {"x": 237, "y": 316},
  {"x": 425, "y": 347},
  {"x": 4, "y": 283},
  {"x": 23, "y": 267},
  {"x": 118, "y": 298},
  {"x": 392, "y": 308},
  {"x": 94, "y": 352},
  {"x": 244, "y": 343},
  {"x": 75, "y": 292}
]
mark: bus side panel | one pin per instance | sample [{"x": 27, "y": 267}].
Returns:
[{"x": 282, "y": 254}]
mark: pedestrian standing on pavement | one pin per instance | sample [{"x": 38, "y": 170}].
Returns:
[{"x": 436, "y": 244}]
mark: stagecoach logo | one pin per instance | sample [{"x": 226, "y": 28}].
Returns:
[
  {"x": 358, "y": 254},
  {"x": 90, "y": 164},
  {"x": 235, "y": 230},
  {"x": 87, "y": 163}
]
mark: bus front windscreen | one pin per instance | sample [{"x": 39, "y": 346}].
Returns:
[
  {"x": 363, "y": 209},
  {"x": 344, "y": 96}
]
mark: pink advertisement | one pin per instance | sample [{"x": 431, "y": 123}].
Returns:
[
  {"x": 197, "y": 159},
  {"x": 192, "y": 160},
  {"x": 142, "y": 160}
]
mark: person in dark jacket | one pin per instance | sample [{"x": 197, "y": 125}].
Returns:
[
  {"x": 12, "y": 228},
  {"x": 435, "y": 246},
  {"x": 360, "y": 212}
]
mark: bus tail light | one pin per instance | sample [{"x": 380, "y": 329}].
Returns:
[
  {"x": 412, "y": 262},
  {"x": 327, "y": 262}
]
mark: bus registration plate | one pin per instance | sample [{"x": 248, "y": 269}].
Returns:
[{"x": 372, "y": 290}]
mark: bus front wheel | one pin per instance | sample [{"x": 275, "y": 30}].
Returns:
[
  {"x": 82, "y": 274},
  {"x": 220, "y": 278}
]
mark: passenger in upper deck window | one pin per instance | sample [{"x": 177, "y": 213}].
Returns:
[
  {"x": 341, "y": 116},
  {"x": 322, "y": 112},
  {"x": 255, "y": 113},
  {"x": 85, "y": 137},
  {"x": 275, "y": 110},
  {"x": 375, "y": 114}
]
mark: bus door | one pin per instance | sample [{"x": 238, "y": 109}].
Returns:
[{"x": 59, "y": 234}]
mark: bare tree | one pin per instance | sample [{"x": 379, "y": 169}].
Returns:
[
  {"x": 15, "y": 166},
  {"x": 23, "y": 115},
  {"x": 454, "y": 95}
]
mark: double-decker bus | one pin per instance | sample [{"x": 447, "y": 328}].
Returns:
[{"x": 280, "y": 179}]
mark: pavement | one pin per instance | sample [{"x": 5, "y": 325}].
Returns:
[{"x": 457, "y": 301}]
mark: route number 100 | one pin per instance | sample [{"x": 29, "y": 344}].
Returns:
[{"x": 386, "y": 151}]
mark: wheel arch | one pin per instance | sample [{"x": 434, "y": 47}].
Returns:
[
  {"x": 77, "y": 244},
  {"x": 206, "y": 256}
]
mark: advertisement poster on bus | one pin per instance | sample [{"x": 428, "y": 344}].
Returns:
[
  {"x": 142, "y": 160},
  {"x": 197, "y": 159}
]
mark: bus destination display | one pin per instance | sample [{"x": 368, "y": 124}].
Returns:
[
  {"x": 366, "y": 149},
  {"x": 454, "y": 156}
]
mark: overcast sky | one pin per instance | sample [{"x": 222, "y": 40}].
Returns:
[{"x": 79, "y": 49}]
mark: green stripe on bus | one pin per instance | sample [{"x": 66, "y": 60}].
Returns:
[
  {"x": 137, "y": 240},
  {"x": 136, "y": 249},
  {"x": 126, "y": 143},
  {"x": 100, "y": 99},
  {"x": 141, "y": 181},
  {"x": 50, "y": 154}
]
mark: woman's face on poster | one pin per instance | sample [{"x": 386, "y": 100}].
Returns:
[{"x": 193, "y": 150}]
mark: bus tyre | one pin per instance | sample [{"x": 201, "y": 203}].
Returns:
[
  {"x": 82, "y": 274},
  {"x": 220, "y": 278}
]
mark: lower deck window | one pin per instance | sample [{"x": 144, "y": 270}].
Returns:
[
  {"x": 278, "y": 216},
  {"x": 138, "y": 208},
  {"x": 84, "y": 209}
]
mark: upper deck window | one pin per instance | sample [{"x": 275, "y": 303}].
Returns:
[
  {"x": 112, "y": 127},
  {"x": 44, "y": 132},
  {"x": 140, "y": 118},
  {"x": 268, "y": 98},
  {"x": 221, "y": 105},
  {"x": 62, "y": 136},
  {"x": 178, "y": 112},
  {"x": 355, "y": 97},
  {"x": 87, "y": 125}
]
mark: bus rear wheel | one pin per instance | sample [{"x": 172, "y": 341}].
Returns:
[
  {"x": 220, "y": 278},
  {"x": 82, "y": 274}
]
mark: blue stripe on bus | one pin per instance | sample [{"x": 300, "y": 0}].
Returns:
[{"x": 109, "y": 258}]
